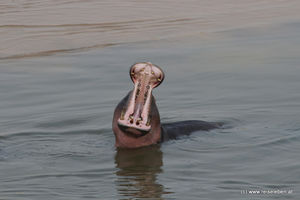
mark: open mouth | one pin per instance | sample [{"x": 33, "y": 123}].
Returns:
[{"x": 136, "y": 115}]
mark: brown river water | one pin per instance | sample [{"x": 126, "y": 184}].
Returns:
[{"x": 64, "y": 67}]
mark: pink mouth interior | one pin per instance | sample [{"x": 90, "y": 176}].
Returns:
[{"x": 145, "y": 77}]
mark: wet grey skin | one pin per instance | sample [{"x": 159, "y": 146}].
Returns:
[{"x": 136, "y": 121}]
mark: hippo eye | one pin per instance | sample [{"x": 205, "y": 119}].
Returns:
[{"x": 143, "y": 71}]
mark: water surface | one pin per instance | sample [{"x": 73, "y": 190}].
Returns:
[{"x": 64, "y": 67}]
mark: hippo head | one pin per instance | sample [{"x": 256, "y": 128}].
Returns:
[{"x": 136, "y": 120}]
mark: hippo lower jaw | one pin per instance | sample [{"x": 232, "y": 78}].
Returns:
[
  {"x": 130, "y": 137},
  {"x": 133, "y": 132},
  {"x": 135, "y": 117}
]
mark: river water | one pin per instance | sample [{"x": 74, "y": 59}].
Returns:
[{"x": 64, "y": 67}]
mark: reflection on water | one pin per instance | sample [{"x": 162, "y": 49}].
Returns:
[{"x": 137, "y": 172}]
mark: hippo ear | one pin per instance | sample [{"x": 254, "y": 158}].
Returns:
[{"x": 141, "y": 70}]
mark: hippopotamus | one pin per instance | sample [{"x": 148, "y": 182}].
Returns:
[{"x": 136, "y": 121}]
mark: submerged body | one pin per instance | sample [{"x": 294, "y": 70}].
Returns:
[{"x": 136, "y": 121}]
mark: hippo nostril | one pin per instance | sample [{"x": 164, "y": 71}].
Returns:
[
  {"x": 137, "y": 123},
  {"x": 131, "y": 121}
]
